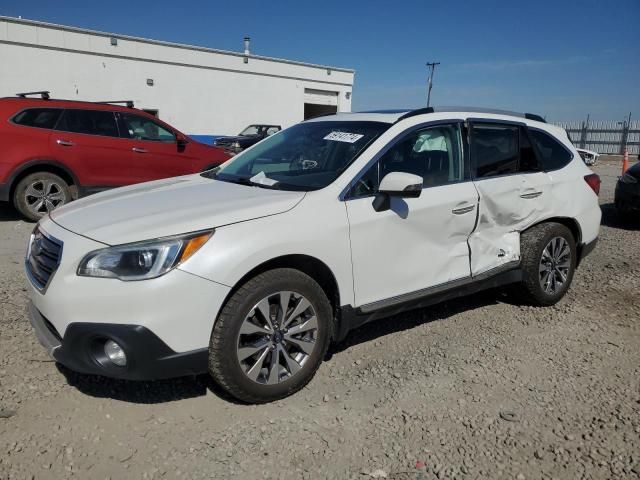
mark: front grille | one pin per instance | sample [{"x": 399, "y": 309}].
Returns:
[{"x": 43, "y": 258}]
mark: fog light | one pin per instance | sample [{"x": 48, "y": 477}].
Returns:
[{"x": 115, "y": 353}]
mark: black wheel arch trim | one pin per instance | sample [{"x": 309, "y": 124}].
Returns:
[{"x": 18, "y": 172}]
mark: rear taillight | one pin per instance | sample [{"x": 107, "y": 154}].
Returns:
[{"x": 593, "y": 181}]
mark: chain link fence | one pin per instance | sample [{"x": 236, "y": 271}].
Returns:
[{"x": 608, "y": 137}]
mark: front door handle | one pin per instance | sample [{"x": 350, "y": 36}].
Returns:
[
  {"x": 139, "y": 150},
  {"x": 65, "y": 143},
  {"x": 463, "y": 210},
  {"x": 531, "y": 195}
]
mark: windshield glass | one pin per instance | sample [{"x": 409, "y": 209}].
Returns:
[
  {"x": 250, "y": 130},
  {"x": 307, "y": 156}
]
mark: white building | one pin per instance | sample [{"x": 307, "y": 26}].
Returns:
[{"x": 198, "y": 90}]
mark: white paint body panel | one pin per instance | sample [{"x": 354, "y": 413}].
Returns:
[
  {"x": 418, "y": 243},
  {"x": 373, "y": 255}
]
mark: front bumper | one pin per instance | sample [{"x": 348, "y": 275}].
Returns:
[
  {"x": 627, "y": 196},
  {"x": 164, "y": 324},
  {"x": 148, "y": 357}
]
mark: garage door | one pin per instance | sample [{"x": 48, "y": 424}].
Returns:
[{"x": 320, "y": 97}]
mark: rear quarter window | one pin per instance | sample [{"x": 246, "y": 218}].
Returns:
[
  {"x": 38, "y": 117},
  {"x": 552, "y": 153}
]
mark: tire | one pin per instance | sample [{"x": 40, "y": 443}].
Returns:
[
  {"x": 267, "y": 374},
  {"x": 546, "y": 287},
  {"x": 39, "y": 193}
]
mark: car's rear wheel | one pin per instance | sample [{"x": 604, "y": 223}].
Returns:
[
  {"x": 548, "y": 262},
  {"x": 40, "y": 193},
  {"x": 271, "y": 336}
]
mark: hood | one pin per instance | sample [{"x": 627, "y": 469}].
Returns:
[{"x": 169, "y": 207}]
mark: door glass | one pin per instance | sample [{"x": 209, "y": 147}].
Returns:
[
  {"x": 433, "y": 153},
  {"x": 89, "y": 122},
  {"x": 141, "y": 128},
  {"x": 528, "y": 159},
  {"x": 495, "y": 149}
]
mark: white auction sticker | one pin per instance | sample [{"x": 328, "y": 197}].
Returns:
[{"x": 344, "y": 137}]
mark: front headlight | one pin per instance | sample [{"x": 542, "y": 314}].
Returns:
[
  {"x": 628, "y": 178},
  {"x": 142, "y": 260}
]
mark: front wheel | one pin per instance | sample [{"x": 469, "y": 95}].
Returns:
[
  {"x": 548, "y": 262},
  {"x": 39, "y": 193},
  {"x": 270, "y": 336}
]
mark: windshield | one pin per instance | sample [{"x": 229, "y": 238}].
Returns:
[
  {"x": 250, "y": 130},
  {"x": 307, "y": 156}
]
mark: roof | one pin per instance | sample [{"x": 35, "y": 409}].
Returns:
[{"x": 37, "y": 23}]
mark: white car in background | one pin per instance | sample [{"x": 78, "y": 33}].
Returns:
[
  {"x": 588, "y": 156},
  {"x": 250, "y": 270}
]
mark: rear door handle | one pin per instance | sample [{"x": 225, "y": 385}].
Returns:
[
  {"x": 139, "y": 150},
  {"x": 65, "y": 143},
  {"x": 463, "y": 210},
  {"x": 531, "y": 195}
]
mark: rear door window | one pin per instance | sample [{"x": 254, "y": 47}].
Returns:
[
  {"x": 553, "y": 154},
  {"x": 495, "y": 149},
  {"x": 89, "y": 122},
  {"x": 38, "y": 117}
]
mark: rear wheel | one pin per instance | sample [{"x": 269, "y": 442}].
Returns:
[
  {"x": 271, "y": 336},
  {"x": 40, "y": 193},
  {"x": 548, "y": 263}
]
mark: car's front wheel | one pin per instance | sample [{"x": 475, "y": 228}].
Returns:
[
  {"x": 40, "y": 193},
  {"x": 270, "y": 336},
  {"x": 548, "y": 262}
]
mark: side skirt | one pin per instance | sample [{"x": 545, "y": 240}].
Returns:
[{"x": 352, "y": 318}]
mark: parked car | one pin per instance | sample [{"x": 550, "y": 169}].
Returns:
[
  {"x": 588, "y": 156},
  {"x": 54, "y": 151},
  {"x": 259, "y": 264},
  {"x": 627, "y": 195},
  {"x": 247, "y": 137}
]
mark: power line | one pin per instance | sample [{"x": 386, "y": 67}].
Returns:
[{"x": 432, "y": 67}]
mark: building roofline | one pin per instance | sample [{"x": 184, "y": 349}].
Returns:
[{"x": 185, "y": 46}]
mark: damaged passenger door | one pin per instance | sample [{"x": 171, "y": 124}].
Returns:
[
  {"x": 511, "y": 187},
  {"x": 414, "y": 243}
]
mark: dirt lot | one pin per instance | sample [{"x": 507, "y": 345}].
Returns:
[{"x": 478, "y": 388}]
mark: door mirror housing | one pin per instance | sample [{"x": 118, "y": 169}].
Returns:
[
  {"x": 396, "y": 184},
  {"x": 181, "y": 140}
]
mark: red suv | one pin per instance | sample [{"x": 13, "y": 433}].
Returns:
[{"x": 54, "y": 151}]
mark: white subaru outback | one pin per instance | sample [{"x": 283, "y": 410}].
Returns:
[{"x": 250, "y": 270}]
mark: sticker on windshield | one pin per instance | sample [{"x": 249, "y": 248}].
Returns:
[{"x": 344, "y": 137}]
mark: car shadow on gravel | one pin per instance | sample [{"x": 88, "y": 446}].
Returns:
[
  {"x": 612, "y": 217},
  {"x": 7, "y": 213},
  {"x": 415, "y": 318},
  {"x": 149, "y": 392}
]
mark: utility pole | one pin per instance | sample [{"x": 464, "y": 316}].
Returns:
[{"x": 432, "y": 67}]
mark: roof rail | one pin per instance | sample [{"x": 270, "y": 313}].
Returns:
[
  {"x": 128, "y": 103},
  {"x": 44, "y": 94},
  {"x": 422, "y": 111}
]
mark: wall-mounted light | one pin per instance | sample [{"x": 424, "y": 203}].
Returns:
[
  {"x": 328, "y": 71},
  {"x": 150, "y": 82},
  {"x": 114, "y": 41},
  {"x": 347, "y": 95}
]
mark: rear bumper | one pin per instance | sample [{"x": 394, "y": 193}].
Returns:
[
  {"x": 148, "y": 357},
  {"x": 4, "y": 192}
]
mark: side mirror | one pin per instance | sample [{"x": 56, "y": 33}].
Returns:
[
  {"x": 181, "y": 140},
  {"x": 396, "y": 184}
]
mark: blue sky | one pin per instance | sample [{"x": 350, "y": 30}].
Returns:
[{"x": 562, "y": 58}]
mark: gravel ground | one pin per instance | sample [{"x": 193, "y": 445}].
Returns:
[{"x": 476, "y": 388}]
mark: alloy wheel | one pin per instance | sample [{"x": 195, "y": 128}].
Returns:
[
  {"x": 277, "y": 337},
  {"x": 554, "y": 265},
  {"x": 43, "y": 196}
]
